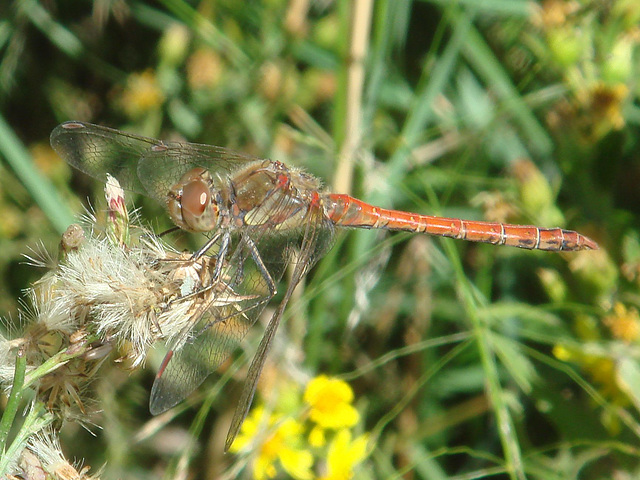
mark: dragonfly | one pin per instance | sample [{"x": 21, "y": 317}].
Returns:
[{"x": 260, "y": 217}]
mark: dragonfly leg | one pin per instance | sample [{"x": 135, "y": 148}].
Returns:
[
  {"x": 167, "y": 232},
  {"x": 255, "y": 254},
  {"x": 220, "y": 257},
  {"x": 219, "y": 263},
  {"x": 207, "y": 246}
]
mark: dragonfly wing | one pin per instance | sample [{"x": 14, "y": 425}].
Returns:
[
  {"x": 141, "y": 164},
  {"x": 162, "y": 166},
  {"x": 227, "y": 311},
  {"x": 315, "y": 240},
  {"x": 98, "y": 151},
  {"x": 211, "y": 342}
]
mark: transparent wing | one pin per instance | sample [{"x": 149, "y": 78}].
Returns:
[
  {"x": 211, "y": 341},
  {"x": 229, "y": 308},
  {"x": 256, "y": 263},
  {"x": 97, "y": 150},
  {"x": 163, "y": 165},
  {"x": 140, "y": 164},
  {"x": 314, "y": 241}
]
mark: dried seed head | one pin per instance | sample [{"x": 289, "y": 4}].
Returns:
[
  {"x": 72, "y": 238},
  {"x": 108, "y": 293},
  {"x": 43, "y": 458}
]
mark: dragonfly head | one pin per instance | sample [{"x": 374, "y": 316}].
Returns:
[{"x": 191, "y": 204}]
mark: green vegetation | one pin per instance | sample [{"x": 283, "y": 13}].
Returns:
[{"x": 465, "y": 360}]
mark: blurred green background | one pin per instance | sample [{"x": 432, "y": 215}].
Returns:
[{"x": 467, "y": 361}]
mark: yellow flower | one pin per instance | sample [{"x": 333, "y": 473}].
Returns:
[
  {"x": 204, "y": 69},
  {"x": 280, "y": 445},
  {"x": 141, "y": 94},
  {"x": 173, "y": 45},
  {"x": 553, "y": 13},
  {"x": 563, "y": 353},
  {"x": 330, "y": 400},
  {"x": 344, "y": 454},
  {"x": 606, "y": 102},
  {"x": 624, "y": 323}
]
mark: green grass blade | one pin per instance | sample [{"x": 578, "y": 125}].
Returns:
[{"x": 45, "y": 195}]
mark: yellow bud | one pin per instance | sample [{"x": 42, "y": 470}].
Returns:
[{"x": 173, "y": 45}]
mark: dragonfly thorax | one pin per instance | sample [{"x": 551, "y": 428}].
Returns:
[{"x": 191, "y": 203}]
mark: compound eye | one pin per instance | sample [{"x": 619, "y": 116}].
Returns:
[{"x": 195, "y": 197}]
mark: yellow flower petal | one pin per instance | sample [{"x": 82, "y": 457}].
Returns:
[
  {"x": 330, "y": 401},
  {"x": 263, "y": 468},
  {"x": 280, "y": 445},
  {"x": 344, "y": 455},
  {"x": 317, "y": 438},
  {"x": 297, "y": 463}
]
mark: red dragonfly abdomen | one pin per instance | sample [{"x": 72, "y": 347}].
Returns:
[{"x": 347, "y": 211}]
